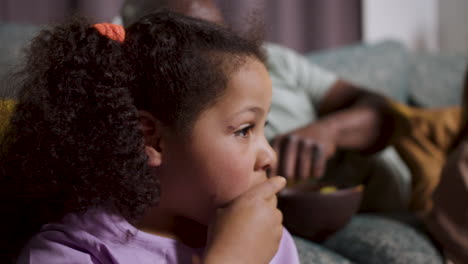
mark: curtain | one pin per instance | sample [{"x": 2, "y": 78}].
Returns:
[
  {"x": 304, "y": 25},
  {"x": 47, "y": 11}
]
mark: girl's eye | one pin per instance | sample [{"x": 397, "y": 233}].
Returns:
[{"x": 244, "y": 132}]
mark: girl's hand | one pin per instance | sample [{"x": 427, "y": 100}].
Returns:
[{"x": 249, "y": 229}]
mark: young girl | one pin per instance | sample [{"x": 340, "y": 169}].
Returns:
[{"x": 142, "y": 145}]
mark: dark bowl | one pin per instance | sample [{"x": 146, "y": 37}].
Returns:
[{"x": 310, "y": 212}]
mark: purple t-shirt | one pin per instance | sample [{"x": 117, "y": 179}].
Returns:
[{"x": 99, "y": 237}]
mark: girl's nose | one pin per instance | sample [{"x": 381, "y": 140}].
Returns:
[{"x": 266, "y": 158}]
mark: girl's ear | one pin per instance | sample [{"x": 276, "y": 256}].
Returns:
[
  {"x": 152, "y": 134},
  {"x": 154, "y": 157}
]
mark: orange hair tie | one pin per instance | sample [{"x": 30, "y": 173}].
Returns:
[{"x": 112, "y": 31}]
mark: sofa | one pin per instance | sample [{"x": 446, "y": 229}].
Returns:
[{"x": 387, "y": 67}]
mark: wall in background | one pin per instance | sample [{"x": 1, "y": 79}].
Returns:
[
  {"x": 414, "y": 22},
  {"x": 304, "y": 25},
  {"x": 453, "y": 26},
  {"x": 422, "y": 25}
]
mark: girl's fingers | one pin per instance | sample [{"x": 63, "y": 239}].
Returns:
[{"x": 268, "y": 188}]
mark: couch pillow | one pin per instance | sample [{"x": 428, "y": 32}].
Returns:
[
  {"x": 13, "y": 37},
  {"x": 382, "y": 67},
  {"x": 436, "y": 79}
]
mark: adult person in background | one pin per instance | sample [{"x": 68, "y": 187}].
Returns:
[
  {"x": 314, "y": 113},
  {"x": 447, "y": 220}
]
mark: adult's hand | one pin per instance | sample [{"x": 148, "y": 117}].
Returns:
[
  {"x": 249, "y": 229},
  {"x": 304, "y": 153}
]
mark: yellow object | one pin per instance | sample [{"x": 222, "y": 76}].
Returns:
[
  {"x": 6, "y": 109},
  {"x": 328, "y": 189},
  {"x": 423, "y": 138}
]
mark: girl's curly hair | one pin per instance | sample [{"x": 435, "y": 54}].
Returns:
[{"x": 74, "y": 140}]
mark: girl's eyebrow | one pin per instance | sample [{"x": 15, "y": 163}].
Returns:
[
  {"x": 254, "y": 109},
  {"x": 257, "y": 111}
]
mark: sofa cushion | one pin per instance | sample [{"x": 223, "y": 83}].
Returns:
[
  {"x": 13, "y": 37},
  {"x": 382, "y": 67},
  {"x": 436, "y": 79},
  {"x": 375, "y": 239}
]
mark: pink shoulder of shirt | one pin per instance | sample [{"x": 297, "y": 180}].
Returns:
[{"x": 99, "y": 237}]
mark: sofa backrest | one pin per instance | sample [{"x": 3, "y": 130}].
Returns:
[{"x": 13, "y": 38}]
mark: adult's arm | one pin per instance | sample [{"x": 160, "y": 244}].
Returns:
[
  {"x": 447, "y": 221},
  {"x": 358, "y": 118},
  {"x": 350, "y": 118}
]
